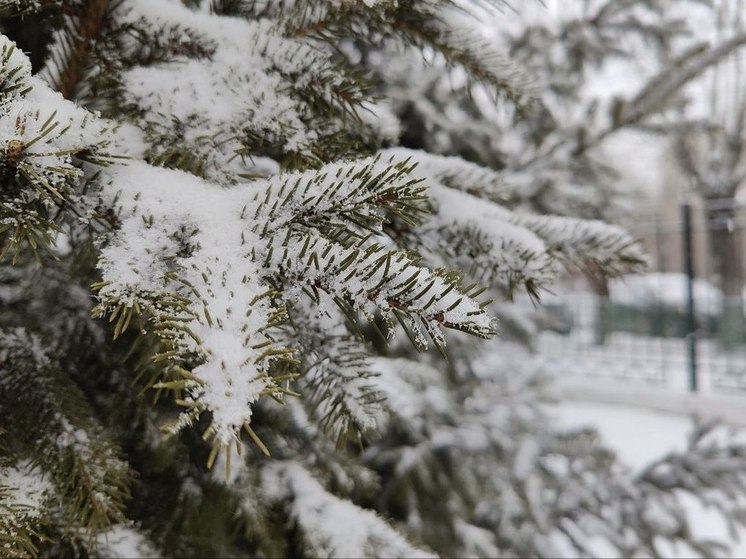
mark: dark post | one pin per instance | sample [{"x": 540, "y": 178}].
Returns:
[{"x": 691, "y": 322}]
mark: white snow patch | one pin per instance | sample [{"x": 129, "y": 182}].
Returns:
[
  {"x": 26, "y": 487},
  {"x": 334, "y": 527},
  {"x": 124, "y": 542}
]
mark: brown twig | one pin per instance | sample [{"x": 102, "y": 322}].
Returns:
[{"x": 90, "y": 21}]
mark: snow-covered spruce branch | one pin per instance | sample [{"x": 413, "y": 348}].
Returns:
[
  {"x": 330, "y": 526},
  {"x": 495, "y": 245},
  {"x": 457, "y": 173},
  {"x": 335, "y": 375},
  {"x": 478, "y": 236},
  {"x": 252, "y": 92},
  {"x": 44, "y": 142},
  {"x": 367, "y": 278},
  {"x": 350, "y": 197},
  {"x": 594, "y": 245},
  {"x": 23, "y": 496},
  {"x": 212, "y": 277},
  {"x": 52, "y": 425},
  {"x": 448, "y": 27}
]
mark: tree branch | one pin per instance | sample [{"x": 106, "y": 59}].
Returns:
[{"x": 90, "y": 23}]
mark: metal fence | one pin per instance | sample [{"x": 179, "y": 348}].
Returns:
[{"x": 683, "y": 323}]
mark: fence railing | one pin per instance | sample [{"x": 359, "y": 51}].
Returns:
[
  {"x": 683, "y": 323},
  {"x": 646, "y": 341}
]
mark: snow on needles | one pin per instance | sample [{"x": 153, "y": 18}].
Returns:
[
  {"x": 25, "y": 488},
  {"x": 249, "y": 81},
  {"x": 507, "y": 246},
  {"x": 15, "y": 70},
  {"x": 40, "y": 131},
  {"x": 206, "y": 263},
  {"x": 333, "y": 527},
  {"x": 183, "y": 236},
  {"x": 212, "y": 268}
]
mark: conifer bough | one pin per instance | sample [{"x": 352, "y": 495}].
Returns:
[{"x": 227, "y": 177}]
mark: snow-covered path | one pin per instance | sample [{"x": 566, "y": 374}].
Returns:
[{"x": 729, "y": 408}]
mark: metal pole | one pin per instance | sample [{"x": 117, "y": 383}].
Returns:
[{"x": 691, "y": 323}]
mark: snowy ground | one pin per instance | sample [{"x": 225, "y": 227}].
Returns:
[{"x": 638, "y": 436}]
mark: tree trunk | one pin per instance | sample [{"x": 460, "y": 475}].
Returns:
[
  {"x": 600, "y": 284},
  {"x": 727, "y": 262}
]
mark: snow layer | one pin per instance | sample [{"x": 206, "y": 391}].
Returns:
[
  {"x": 123, "y": 542},
  {"x": 26, "y": 488},
  {"x": 175, "y": 228},
  {"x": 249, "y": 82},
  {"x": 212, "y": 252},
  {"x": 333, "y": 527}
]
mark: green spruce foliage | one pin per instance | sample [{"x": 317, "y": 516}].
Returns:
[{"x": 228, "y": 251}]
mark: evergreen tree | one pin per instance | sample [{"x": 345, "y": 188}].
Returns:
[
  {"x": 607, "y": 68},
  {"x": 218, "y": 265}
]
